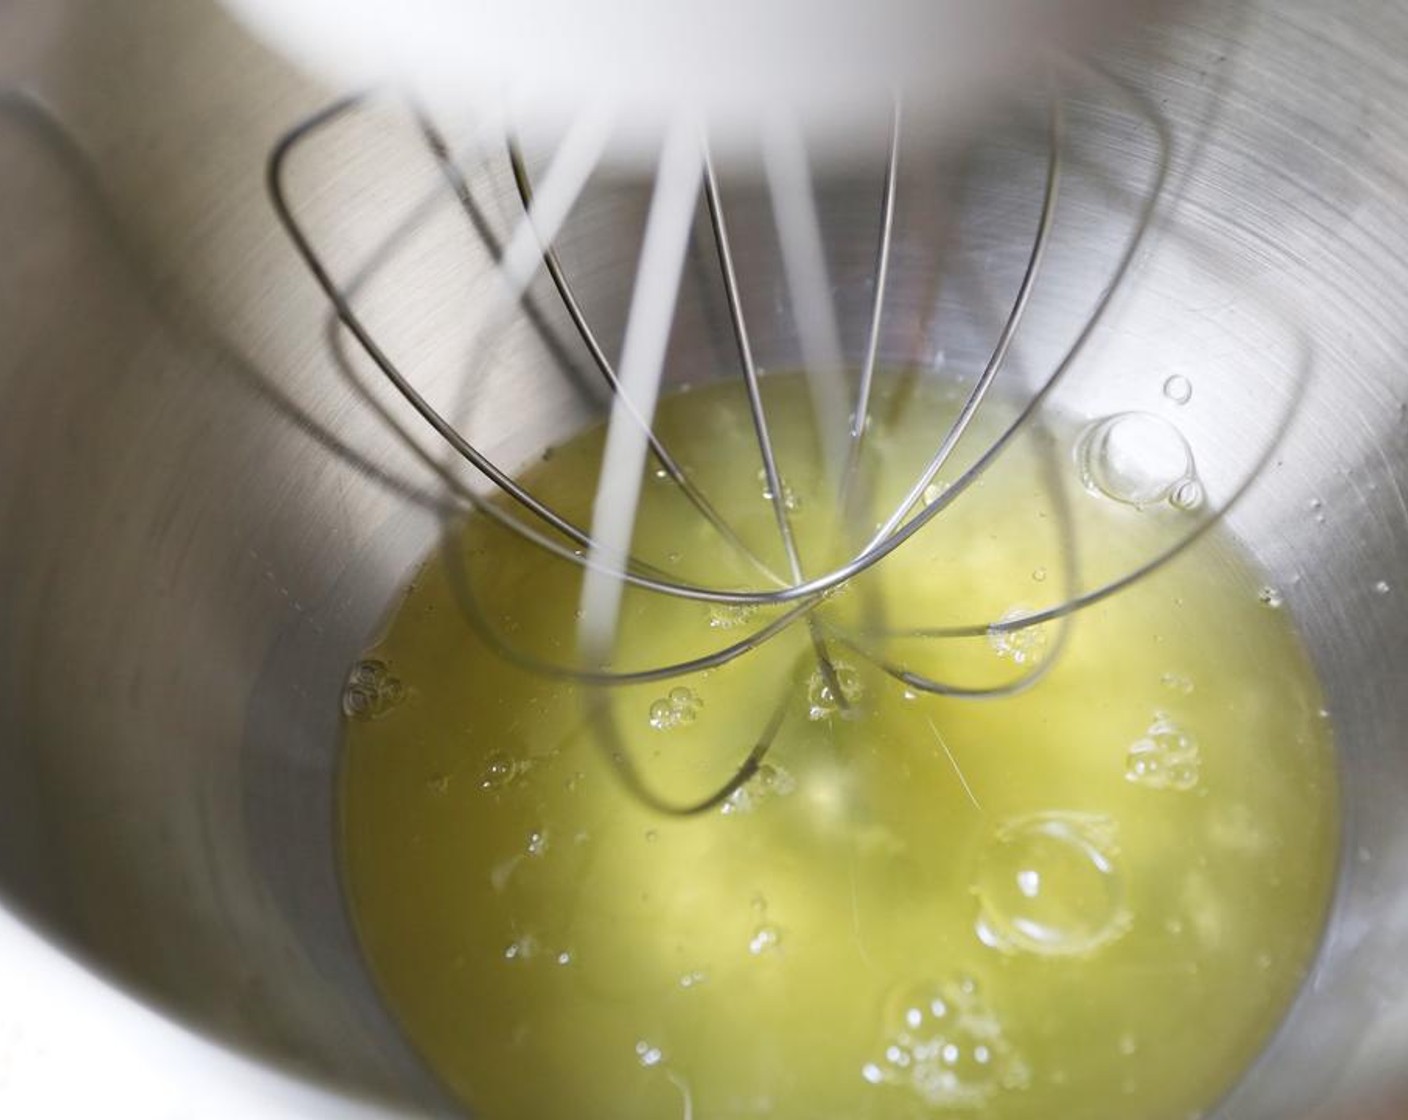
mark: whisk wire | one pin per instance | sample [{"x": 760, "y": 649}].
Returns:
[
  {"x": 1005, "y": 337},
  {"x": 860, "y": 417},
  {"x": 801, "y": 594},
  {"x": 776, "y": 487}
]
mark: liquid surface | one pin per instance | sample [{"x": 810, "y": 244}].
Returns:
[{"x": 1091, "y": 898}]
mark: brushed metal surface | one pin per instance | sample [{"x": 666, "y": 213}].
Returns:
[{"x": 202, "y": 519}]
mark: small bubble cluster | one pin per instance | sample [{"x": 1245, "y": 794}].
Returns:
[
  {"x": 1165, "y": 757},
  {"x": 790, "y": 501},
  {"x": 1049, "y": 884},
  {"x": 371, "y": 691},
  {"x": 768, "y": 784},
  {"x": 942, "y": 1044},
  {"x": 822, "y": 700},
  {"x": 1023, "y": 645},
  {"x": 1177, "y": 682},
  {"x": 679, "y": 707},
  {"x": 934, "y": 491},
  {"x": 649, "y": 1054},
  {"x": 500, "y": 770},
  {"x": 1137, "y": 459},
  {"x": 1270, "y": 597},
  {"x": 731, "y": 616},
  {"x": 765, "y": 939}
]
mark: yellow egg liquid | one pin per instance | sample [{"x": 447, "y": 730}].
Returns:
[{"x": 1093, "y": 897}]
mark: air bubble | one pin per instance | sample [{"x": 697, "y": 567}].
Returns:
[
  {"x": 500, "y": 770},
  {"x": 1135, "y": 458},
  {"x": 1048, "y": 884},
  {"x": 790, "y": 501},
  {"x": 1382, "y": 587},
  {"x": 1178, "y": 389},
  {"x": 1023, "y": 645},
  {"x": 731, "y": 616},
  {"x": 1038, "y": 575},
  {"x": 821, "y": 698},
  {"x": 766, "y": 939},
  {"x": 681, "y": 706},
  {"x": 649, "y": 1055},
  {"x": 1166, "y": 757},
  {"x": 943, "y": 1044},
  {"x": 1270, "y": 597},
  {"x": 358, "y": 703},
  {"x": 934, "y": 491},
  {"x": 369, "y": 673},
  {"x": 768, "y": 784},
  {"x": 371, "y": 691},
  {"x": 1187, "y": 495},
  {"x": 1177, "y": 682}
]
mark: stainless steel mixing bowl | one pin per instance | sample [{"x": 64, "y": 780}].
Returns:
[{"x": 201, "y": 520}]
